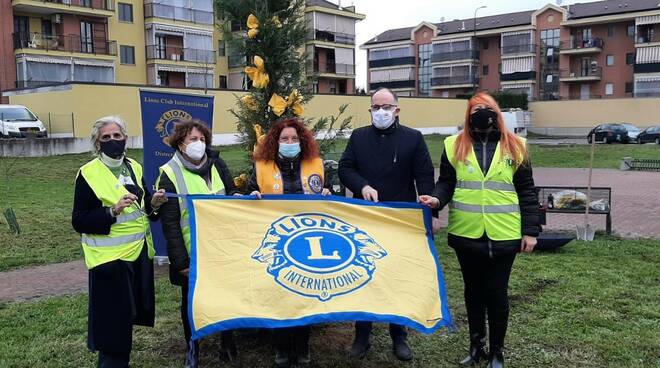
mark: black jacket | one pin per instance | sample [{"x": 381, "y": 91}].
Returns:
[
  {"x": 170, "y": 215},
  {"x": 392, "y": 161},
  {"x": 89, "y": 216},
  {"x": 523, "y": 180},
  {"x": 290, "y": 171}
]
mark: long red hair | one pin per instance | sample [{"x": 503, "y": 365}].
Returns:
[
  {"x": 269, "y": 147},
  {"x": 509, "y": 143}
]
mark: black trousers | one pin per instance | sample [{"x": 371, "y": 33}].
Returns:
[
  {"x": 363, "y": 331},
  {"x": 294, "y": 341},
  {"x": 226, "y": 337},
  {"x": 486, "y": 293}
]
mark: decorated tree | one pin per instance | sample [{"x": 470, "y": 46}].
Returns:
[{"x": 271, "y": 34}]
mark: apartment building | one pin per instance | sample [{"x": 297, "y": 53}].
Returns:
[
  {"x": 604, "y": 49},
  {"x": 155, "y": 42}
]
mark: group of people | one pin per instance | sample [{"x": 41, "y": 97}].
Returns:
[{"x": 485, "y": 179}]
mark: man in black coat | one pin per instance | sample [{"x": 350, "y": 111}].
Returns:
[{"x": 385, "y": 162}]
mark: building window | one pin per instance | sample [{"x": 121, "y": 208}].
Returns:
[
  {"x": 223, "y": 82},
  {"x": 610, "y": 30},
  {"x": 333, "y": 87},
  {"x": 610, "y": 60},
  {"x": 222, "y": 50},
  {"x": 630, "y": 58},
  {"x": 499, "y": 68},
  {"x": 484, "y": 70},
  {"x": 630, "y": 87},
  {"x": 425, "y": 71},
  {"x": 315, "y": 87},
  {"x": 126, "y": 12},
  {"x": 484, "y": 45},
  {"x": 86, "y": 37},
  {"x": 550, "y": 37},
  {"x": 631, "y": 30},
  {"x": 127, "y": 54},
  {"x": 609, "y": 89}
]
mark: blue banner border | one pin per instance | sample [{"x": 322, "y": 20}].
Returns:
[{"x": 446, "y": 321}]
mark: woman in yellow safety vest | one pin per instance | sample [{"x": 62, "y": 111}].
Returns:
[
  {"x": 287, "y": 161},
  {"x": 111, "y": 211},
  {"x": 486, "y": 179},
  {"x": 194, "y": 169}
]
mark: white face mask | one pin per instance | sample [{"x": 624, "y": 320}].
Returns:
[
  {"x": 196, "y": 150},
  {"x": 382, "y": 119}
]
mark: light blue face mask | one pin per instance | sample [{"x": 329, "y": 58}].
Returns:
[{"x": 289, "y": 150}]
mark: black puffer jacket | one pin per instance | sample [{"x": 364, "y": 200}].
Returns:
[
  {"x": 523, "y": 180},
  {"x": 170, "y": 215}
]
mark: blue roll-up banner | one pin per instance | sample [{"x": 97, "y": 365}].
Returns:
[{"x": 161, "y": 111}]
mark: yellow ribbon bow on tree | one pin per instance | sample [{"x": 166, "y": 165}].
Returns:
[
  {"x": 276, "y": 22},
  {"x": 257, "y": 73},
  {"x": 249, "y": 102},
  {"x": 279, "y": 104},
  {"x": 253, "y": 25}
]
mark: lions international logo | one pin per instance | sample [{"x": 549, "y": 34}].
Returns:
[
  {"x": 318, "y": 256},
  {"x": 167, "y": 122},
  {"x": 315, "y": 183}
]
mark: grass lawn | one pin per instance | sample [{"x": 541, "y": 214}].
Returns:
[
  {"x": 40, "y": 190},
  {"x": 588, "y": 305}
]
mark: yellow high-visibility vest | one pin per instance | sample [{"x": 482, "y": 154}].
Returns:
[
  {"x": 484, "y": 203},
  {"x": 187, "y": 182},
  {"x": 269, "y": 177},
  {"x": 129, "y": 233}
]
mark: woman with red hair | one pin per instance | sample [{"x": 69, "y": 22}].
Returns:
[
  {"x": 288, "y": 161},
  {"x": 486, "y": 179}
]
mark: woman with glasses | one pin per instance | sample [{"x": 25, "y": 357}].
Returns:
[
  {"x": 486, "y": 179},
  {"x": 288, "y": 162},
  {"x": 111, "y": 211}
]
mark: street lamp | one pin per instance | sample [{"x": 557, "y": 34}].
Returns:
[{"x": 474, "y": 30}]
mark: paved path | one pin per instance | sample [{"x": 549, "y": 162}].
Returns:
[{"x": 635, "y": 205}]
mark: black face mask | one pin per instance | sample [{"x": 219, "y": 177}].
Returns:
[
  {"x": 483, "y": 119},
  {"x": 113, "y": 148}
]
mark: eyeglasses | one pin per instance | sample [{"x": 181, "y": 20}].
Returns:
[
  {"x": 386, "y": 107},
  {"x": 116, "y": 136}
]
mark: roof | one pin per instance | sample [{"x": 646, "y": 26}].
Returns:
[
  {"x": 576, "y": 11},
  {"x": 321, "y": 3}
]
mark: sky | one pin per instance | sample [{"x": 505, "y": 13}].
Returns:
[{"x": 389, "y": 14}]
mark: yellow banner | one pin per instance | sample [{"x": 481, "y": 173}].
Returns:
[{"x": 295, "y": 260}]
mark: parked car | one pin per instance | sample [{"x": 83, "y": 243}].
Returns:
[
  {"x": 649, "y": 135},
  {"x": 632, "y": 130},
  {"x": 18, "y": 121},
  {"x": 608, "y": 133}
]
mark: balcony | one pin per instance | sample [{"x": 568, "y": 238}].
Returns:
[
  {"x": 335, "y": 37},
  {"x": 175, "y": 53},
  {"x": 580, "y": 96},
  {"x": 333, "y": 68},
  {"x": 384, "y": 63},
  {"x": 455, "y": 56},
  {"x": 177, "y": 13},
  {"x": 581, "y": 46},
  {"x": 400, "y": 84},
  {"x": 518, "y": 76},
  {"x": 590, "y": 74},
  {"x": 518, "y": 49},
  {"x": 94, "y": 8},
  {"x": 456, "y": 81},
  {"x": 646, "y": 68},
  {"x": 69, "y": 43}
]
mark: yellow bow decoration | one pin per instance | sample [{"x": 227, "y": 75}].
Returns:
[
  {"x": 249, "y": 102},
  {"x": 253, "y": 25},
  {"x": 276, "y": 22},
  {"x": 279, "y": 104},
  {"x": 257, "y": 73}
]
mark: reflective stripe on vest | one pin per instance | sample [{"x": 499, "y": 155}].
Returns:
[
  {"x": 269, "y": 177},
  {"x": 131, "y": 229},
  {"x": 484, "y": 203},
  {"x": 187, "y": 182}
]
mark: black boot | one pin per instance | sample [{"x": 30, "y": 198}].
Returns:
[
  {"x": 281, "y": 359},
  {"x": 402, "y": 350},
  {"x": 495, "y": 357},
  {"x": 192, "y": 355},
  {"x": 477, "y": 352},
  {"x": 228, "y": 351},
  {"x": 361, "y": 343}
]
